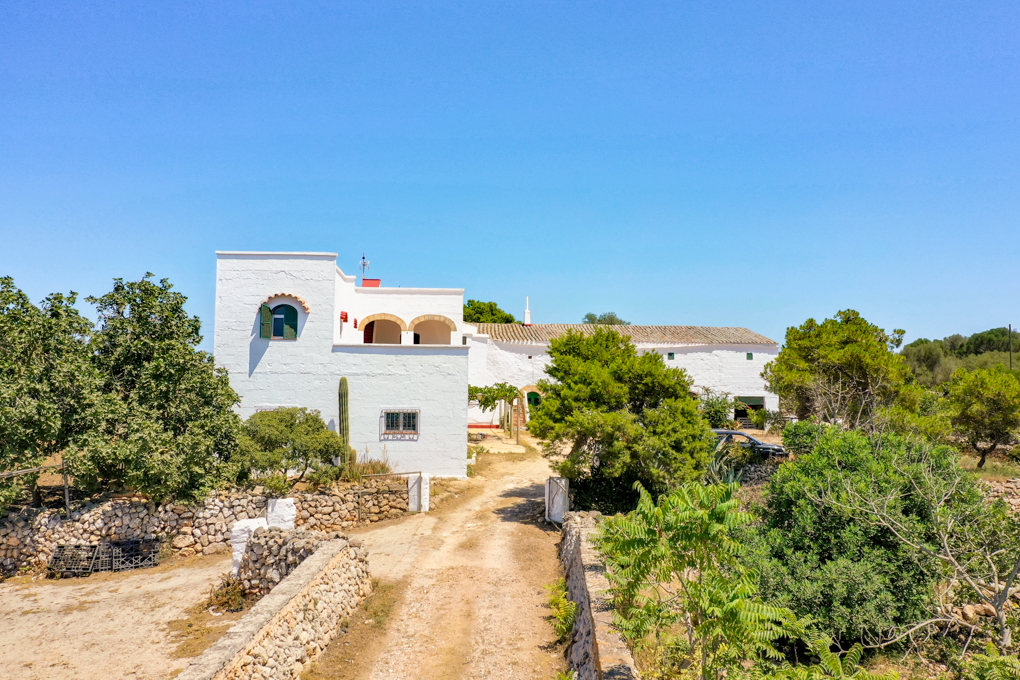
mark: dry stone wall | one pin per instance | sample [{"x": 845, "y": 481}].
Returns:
[
  {"x": 291, "y": 626},
  {"x": 1008, "y": 490},
  {"x": 28, "y": 538},
  {"x": 272, "y": 553},
  {"x": 596, "y": 649}
]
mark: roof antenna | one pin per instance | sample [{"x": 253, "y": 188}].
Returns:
[
  {"x": 527, "y": 311},
  {"x": 364, "y": 266}
]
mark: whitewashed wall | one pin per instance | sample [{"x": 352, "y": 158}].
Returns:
[
  {"x": 722, "y": 368},
  {"x": 306, "y": 372}
]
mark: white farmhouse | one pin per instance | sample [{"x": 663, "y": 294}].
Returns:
[
  {"x": 289, "y": 326},
  {"x": 721, "y": 359}
]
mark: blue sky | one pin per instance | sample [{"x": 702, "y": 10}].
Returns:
[{"x": 704, "y": 163}]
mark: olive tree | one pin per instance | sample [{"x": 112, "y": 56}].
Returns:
[
  {"x": 986, "y": 408},
  {"x": 167, "y": 425},
  {"x": 49, "y": 391},
  {"x": 841, "y": 370}
]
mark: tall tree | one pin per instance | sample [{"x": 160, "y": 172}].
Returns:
[
  {"x": 49, "y": 391},
  {"x": 841, "y": 370},
  {"x": 986, "y": 408},
  {"x": 606, "y": 319},
  {"x": 170, "y": 423},
  {"x": 613, "y": 416},
  {"x": 476, "y": 311}
]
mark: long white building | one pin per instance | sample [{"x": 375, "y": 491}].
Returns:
[{"x": 290, "y": 325}]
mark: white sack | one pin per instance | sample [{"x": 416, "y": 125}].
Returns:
[
  {"x": 282, "y": 512},
  {"x": 239, "y": 539}
]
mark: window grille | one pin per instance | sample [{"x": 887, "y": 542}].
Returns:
[
  {"x": 400, "y": 422},
  {"x": 670, "y": 356}
]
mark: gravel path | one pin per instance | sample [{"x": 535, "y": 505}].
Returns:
[{"x": 473, "y": 574}]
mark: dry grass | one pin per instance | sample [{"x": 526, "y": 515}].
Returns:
[
  {"x": 208, "y": 621},
  {"x": 995, "y": 470},
  {"x": 354, "y": 649}
]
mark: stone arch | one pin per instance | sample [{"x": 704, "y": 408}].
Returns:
[
  {"x": 300, "y": 299},
  {"x": 382, "y": 317},
  {"x": 433, "y": 317}
]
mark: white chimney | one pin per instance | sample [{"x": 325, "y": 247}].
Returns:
[{"x": 527, "y": 312}]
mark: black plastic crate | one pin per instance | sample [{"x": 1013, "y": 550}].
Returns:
[
  {"x": 73, "y": 560},
  {"x": 82, "y": 560}
]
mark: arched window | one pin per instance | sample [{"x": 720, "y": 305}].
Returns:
[{"x": 280, "y": 322}]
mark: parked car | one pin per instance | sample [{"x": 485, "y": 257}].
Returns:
[{"x": 763, "y": 449}]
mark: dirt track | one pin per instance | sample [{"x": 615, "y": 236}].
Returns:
[{"x": 471, "y": 576}]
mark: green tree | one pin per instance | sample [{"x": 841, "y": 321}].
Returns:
[
  {"x": 986, "y": 408},
  {"x": 168, "y": 424},
  {"x": 674, "y": 565},
  {"x": 476, "y": 311},
  {"x": 49, "y": 391},
  {"x": 612, "y": 417},
  {"x": 288, "y": 439},
  {"x": 853, "y": 576},
  {"x": 717, "y": 408},
  {"x": 607, "y": 319},
  {"x": 841, "y": 370}
]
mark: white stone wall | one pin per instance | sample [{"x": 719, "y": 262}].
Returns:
[
  {"x": 306, "y": 372},
  {"x": 723, "y": 368}
]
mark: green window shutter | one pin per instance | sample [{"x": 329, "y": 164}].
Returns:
[
  {"x": 289, "y": 323},
  {"x": 265, "y": 322}
]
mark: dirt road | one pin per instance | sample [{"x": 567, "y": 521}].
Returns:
[{"x": 468, "y": 585}]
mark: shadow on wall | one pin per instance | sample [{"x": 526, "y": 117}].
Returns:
[{"x": 256, "y": 347}]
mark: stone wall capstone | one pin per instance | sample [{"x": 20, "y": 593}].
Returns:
[
  {"x": 292, "y": 625},
  {"x": 596, "y": 649},
  {"x": 272, "y": 553}
]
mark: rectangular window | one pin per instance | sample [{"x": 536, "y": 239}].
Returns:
[
  {"x": 750, "y": 356},
  {"x": 401, "y": 422},
  {"x": 670, "y": 356}
]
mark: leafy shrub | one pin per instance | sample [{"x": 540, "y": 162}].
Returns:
[
  {"x": 801, "y": 437},
  {"x": 992, "y": 666},
  {"x": 275, "y": 442},
  {"x": 759, "y": 417},
  {"x": 612, "y": 416},
  {"x": 679, "y": 582},
  {"x": 853, "y": 577},
  {"x": 830, "y": 665},
  {"x": 276, "y": 486},
  {"x": 717, "y": 407},
  {"x": 564, "y": 610}
]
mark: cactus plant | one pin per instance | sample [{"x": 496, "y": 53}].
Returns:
[{"x": 344, "y": 422}]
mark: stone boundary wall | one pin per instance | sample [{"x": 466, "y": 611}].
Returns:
[
  {"x": 28, "y": 538},
  {"x": 291, "y": 626},
  {"x": 1008, "y": 490},
  {"x": 270, "y": 554},
  {"x": 596, "y": 649}
]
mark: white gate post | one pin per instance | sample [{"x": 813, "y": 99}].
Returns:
[{"x": 557, "y": 501}]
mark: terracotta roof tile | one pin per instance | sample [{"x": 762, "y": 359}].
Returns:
[{"x": 656, "y": 335}]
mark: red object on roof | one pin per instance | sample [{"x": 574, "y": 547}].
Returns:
[{"x": 371, "y": 283}]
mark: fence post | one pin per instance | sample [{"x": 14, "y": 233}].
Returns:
[{"x": 67, "y": 493}]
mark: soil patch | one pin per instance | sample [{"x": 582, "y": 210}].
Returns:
[
  {"x": 359, "y": 643},
  {"x": 108, "y": 625}
]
